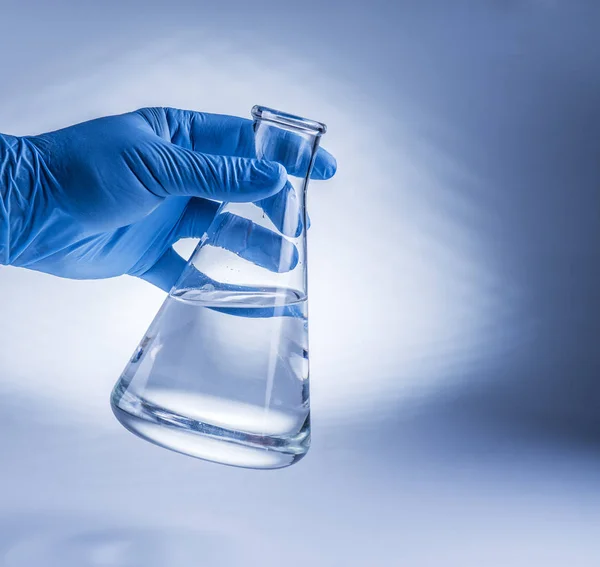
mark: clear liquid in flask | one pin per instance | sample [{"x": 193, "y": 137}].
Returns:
[{"x": 223, "y": 376}]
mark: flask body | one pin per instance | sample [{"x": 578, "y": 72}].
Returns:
[{"x": 222, "y": 373}]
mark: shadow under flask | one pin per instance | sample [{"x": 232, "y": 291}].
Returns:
[{"x": 222, "y": 373}]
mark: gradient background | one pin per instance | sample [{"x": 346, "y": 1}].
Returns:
[{"x": 454, "y": 277}]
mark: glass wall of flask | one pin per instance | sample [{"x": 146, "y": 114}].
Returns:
[{"x": 223, "y": 371}]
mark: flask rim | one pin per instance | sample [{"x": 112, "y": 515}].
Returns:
[{"x": 287, "y": 120}]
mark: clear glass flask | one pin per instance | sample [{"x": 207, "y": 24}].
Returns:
[{"x": 222, "y": 372}]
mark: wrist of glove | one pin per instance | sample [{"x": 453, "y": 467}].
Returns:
[
  {"x": 23, "y": 202},
  {"x": 16, "y": 180}
]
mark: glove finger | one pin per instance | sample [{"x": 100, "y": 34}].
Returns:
[
  {"x": 196, "y": 219},
  {"x": 166, "y": 271},
  {"x": 253, "y": 242},
  {"x": 221, "y": 134},
  {"x": 168, "y": 170},
  {"x": 284, "y": 211},
  {"x": 282, "y": 208}
]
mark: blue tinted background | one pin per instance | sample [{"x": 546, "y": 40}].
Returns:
[{"x": 454, "y": 276}]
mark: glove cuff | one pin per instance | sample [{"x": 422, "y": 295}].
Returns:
[
  {"x": 17, "y": 191},
  {"x": 6, "y": 175}
]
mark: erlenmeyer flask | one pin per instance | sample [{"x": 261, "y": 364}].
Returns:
[{"x": 222, "y": 372}]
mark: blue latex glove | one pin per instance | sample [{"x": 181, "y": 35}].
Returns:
[{"x": 111, "y": 196}]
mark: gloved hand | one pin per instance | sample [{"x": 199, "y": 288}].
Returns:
[{"x": 111, "y": 196}]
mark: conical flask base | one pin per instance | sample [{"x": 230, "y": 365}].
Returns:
[
  {"x": 212, "y": 443},
  {"x": 222, "y": 379}
]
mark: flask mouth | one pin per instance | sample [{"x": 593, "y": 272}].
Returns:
[{"x": 288, "y": 121}]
